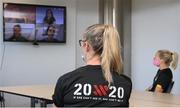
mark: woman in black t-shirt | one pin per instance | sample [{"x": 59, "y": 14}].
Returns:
[
  {"x": 163, "y": 59},
  {"x": 100, "y": 82}
]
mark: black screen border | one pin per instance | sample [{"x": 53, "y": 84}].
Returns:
[{"x": 37, "y": 5}]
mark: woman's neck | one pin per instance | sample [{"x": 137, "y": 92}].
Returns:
[
  {"x": 163, "y": 66},
  {"x": 95, "y": 60}
]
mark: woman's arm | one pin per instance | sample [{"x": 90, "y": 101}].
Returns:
[{"x": 158, "y": 88}]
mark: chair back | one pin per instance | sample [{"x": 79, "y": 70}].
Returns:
[{"x": 170, "y": 87}]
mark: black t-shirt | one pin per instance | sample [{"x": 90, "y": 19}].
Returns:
[
  {"x": 86, "y": 87},
  {"x": 164, "y": 78}
]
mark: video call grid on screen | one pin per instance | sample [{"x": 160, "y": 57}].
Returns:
[{"x": 24, "y": 22}]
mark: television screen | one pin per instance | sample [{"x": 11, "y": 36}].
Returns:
[{"x": 34, "y": 23}]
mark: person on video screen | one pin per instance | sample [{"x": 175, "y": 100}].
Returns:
[
  {"x": 49, "y": 18},
  {"x": 50, "y": 32},
  {"x": 17, "y": 36}
]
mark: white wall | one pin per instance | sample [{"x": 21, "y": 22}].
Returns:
[
  {"x": 25, "y": 64},
  {"x": 155, "y": 25},
  {"x": 87, "y": 14}
]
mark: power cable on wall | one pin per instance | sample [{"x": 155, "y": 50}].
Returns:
[{"x": 2, "y": 56}]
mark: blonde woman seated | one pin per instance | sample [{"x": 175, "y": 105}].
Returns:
[
  {"x": 163, "y": 60},
  {"x": 100, "y": 83}
]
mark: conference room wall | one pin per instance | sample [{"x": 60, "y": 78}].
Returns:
[
  {"x": 87, "y": 14},
  {"x": 1, "y": 46},
  {"x": 25, "y": 64},
  {"x": 155, "y": 25}
]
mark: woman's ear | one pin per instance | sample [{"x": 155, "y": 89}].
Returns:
[
  {"x": 87, "y": 46},
  {"x": 161, "y": 61}
]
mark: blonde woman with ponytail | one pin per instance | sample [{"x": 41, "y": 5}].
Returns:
[
  {"x": 163, "y": 60},
  {"x": 101, "y": 82}
]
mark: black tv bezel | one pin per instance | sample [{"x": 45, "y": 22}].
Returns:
[{"x": 36, "y": 5}]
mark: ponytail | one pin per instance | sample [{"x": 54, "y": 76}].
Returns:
[
  {"x": 105, "y": 41},
  {"x": 175, "y": 60},
  {"x": 111, "y": 60}
]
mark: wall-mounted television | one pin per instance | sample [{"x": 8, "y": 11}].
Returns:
[{"x": 34, "y": 23}]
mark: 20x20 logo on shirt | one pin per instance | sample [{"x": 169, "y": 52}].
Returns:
[{"x": 98, "y": 90}]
